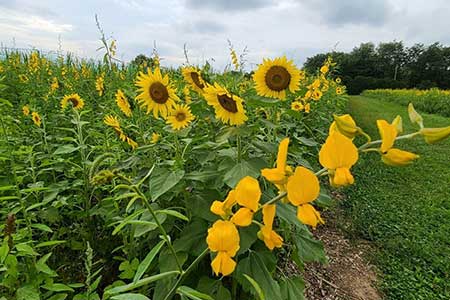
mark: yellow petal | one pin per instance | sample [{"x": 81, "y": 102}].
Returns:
[
  {"x": 243, "y": 217},
  {"x": 414, "y": 116},
  {"x": 434, "y": 135},
  {"x": 223, "y": 236},
  {"x": 337, "y": 152},
  {"x": 248, "y": 193},
  {"x": 223, "y": 264},
  {"x": 342, "y": 177},
  {"x": 230, "y": 200},
  {"x": 282, "y": 154},
  {"x": 398, "y": 123},
  {"x": 308, "y": 215},
  {"x": 217, "y": 208},
  {"x": 268, "y": 212},
  {"x": 275, "y": 175},
  {"x": 388, "y": 133},
  {"x": 302, "y": 187},
  {"x": 397, "y": 157},
  {"x": 270, "y": 238}
]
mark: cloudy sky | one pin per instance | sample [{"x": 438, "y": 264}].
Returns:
[{"x": 269, "y": 28}]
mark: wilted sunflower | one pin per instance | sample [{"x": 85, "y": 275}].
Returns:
[
  {"x": 228, "y": 107},
  {"x": 113, "y": 122},
  {"x": 274, "y": 77},
  {"x": 75, "y": 99},
  {"x": 194, "y": 78},
  {"x": 156, "y": 93},
  {"x": 36, "y": 118},
  {"x": 122, "y": 103},
  {"x": 180, "y": 117}
]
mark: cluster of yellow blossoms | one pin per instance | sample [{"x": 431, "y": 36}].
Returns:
[{"x": 301, "y": 187}]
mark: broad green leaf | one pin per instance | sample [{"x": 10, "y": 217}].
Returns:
[
  {"x": 65, "y": 149},
  {"x": 143, "y": 266},
  {"x": 239, "y": 171},
  {"x": 193, "y": 237},
  {"x": 26, "y": 249},
  {"x": 292, "y": 288},
  {"x": 42, "y": 227},
  {"x": 161, "y": 182},
  {"x": 255, "y": 267},
  {"x": 57, "y": 287},
  {"x": 173, "y": 213},
  {"x": 27, "y": 292},
  {"x": 202, "y": 176},
  {"x": 256, "y": 286},
  {"x": 4, "y": 249},
  {"x": 130, "y": 296},
  {"x": 192, "y": 294},
  {"x": 41, "y": 266}
]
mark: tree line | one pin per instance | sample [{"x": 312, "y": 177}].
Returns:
[{"x": 389, "y": 65}]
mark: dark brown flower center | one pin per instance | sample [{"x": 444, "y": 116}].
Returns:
[
  {"x": 159, "y": 92},
  {"x": 227, "y": 103},
  {"x": 74, "y": 101},
  {"x": 180, "y": 116},
  {"x": 196, "y": 79},
  {"x": 277, "y": 78}
]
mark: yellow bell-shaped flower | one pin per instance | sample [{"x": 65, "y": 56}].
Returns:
[
  {"x": 248, "y": 194},
  {"x": 434, "y": 135},
  {"x": 223, "y": 209},
  {"x": 223, "y": 237}
]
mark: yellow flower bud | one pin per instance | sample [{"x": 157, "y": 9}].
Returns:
[
  {"x": 414, "y": 116},
  {"x": 345, "y": 125},
  {"x": 398, "y": 123},
  {"x": 434, "y": 135},
  {"x": 397, "y": 157}
]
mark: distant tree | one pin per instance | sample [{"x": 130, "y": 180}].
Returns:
[{"x": 141, "y": 59}]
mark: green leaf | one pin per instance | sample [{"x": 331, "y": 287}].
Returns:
[
  {"x": 27, "y": 292},
  {"x": 125, "y": 221},
  {"x": 307, "y": 248},
  {"x": 248, "y": 235},
  {"x": 192, "y": 294},
  {"x": 254, "y": 267},
  {"x": 49, "y": 243},
  {"x": 307, "y": 142},
  {"x": 142, "y": 282},
  {"x": 173, "y": 213},
  {"x": 239, "y": 171},
  {"x": 143, "y": 266},
  {"x": 65, "y": 149},
  {"x": 256, "y": 286},
  {"x": 58, "y": 297},
  {"x": 128, "y": 269},
  {"x": 130, "y": 296},
  {"x": 214, "y": 288},
  {"x": 202, "y": 176},
  {"x": 26, "y": 249},
  {"x": 292, "y": 288},
  {"x": 4, "y": 249},
  {"x": 57, "y": 287},
  {"x": 41, "y": 266},
  {"x": 162, "y": 182},
  {"x": 42, "y": 227},
  {"x": 193, "y": 237}
]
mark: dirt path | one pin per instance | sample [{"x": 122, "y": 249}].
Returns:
[{"x": 348, "y": 275}]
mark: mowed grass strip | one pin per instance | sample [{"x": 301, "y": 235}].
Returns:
[{"x": 405, "y": 211}]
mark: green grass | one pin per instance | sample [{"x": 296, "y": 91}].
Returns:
[{"x": 405, "y": 211}]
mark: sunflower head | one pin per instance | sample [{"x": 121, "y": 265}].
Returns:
[
  {"x": 194, "y": 78},
  {"x": 74, "y": 99},
  {"x": 274, "y": 77},
  {"x": 26, "y": 110},
  {"x": 180, "y": 117},
  {"x": 228, "y": 107},
  {"x": 156, "y": 93},
  {"x": 36, "y": 118}
]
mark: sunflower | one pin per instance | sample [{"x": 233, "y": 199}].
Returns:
[
  {"x": 25, "y": 110},
  {"x": 156, "y": 93},
  {"x": 316, "y": 95},
  {"x": 155, "y": 137},
  {"x": 339, "y": 90},
  {"x": 122, "y": 103},
  {"x": 75, "y": 99},
  {"x": 23, "y": 78},
  {"x": 113, "y": 122},
  {"x": 297, "y": 106},
  {"x": 100, "y": 85},
  {"x": 228, "y": 107},
  {"x": 194, "y": 78},
  {"x": 36, "y": 118},
  {"x": 274, "y": 77},
  {"x": 338, "y": 80},
  {"x": 180, "y": 117}
]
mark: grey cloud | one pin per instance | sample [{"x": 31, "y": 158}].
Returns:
[
  {"x": 203, "y": 27},
  {"x": 228, "y": 5},
  {"x": 370, "y": 12}
]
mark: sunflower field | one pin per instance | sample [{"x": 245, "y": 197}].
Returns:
[
  {"x": 433, "y": 101},
  {"x": 136, "y": 181}
]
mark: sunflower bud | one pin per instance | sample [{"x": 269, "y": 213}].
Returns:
[
  {"x": 434, "y": 135},
  {"x": 414, "y": 116}
]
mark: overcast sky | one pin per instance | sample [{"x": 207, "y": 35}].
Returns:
[{"x": 269, "y": 28}]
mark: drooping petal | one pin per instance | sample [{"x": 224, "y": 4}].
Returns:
[
  {"x": 397, "y": 157},
  {"x": 248, "y": 193},
  {"x": 217, "y": 208},
  {"x": 388, "y": 133},
  {"x": 268, "y": 212},
  {"x": 282, "y": 154},
  {"x": 223, "y": 264},
  {"x": 243, "y": 217},
  {"x": 223, "y": 236},
  {"x": 303, "y": 186},
  {"x": 270, "y": 238},
  {"x": 308, "y": 215},
  {"x": 342, "y": 177}
]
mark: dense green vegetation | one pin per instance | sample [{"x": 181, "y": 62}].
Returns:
[
  {"x": 390, "y": 65},
  {"x": 404, "y": 211}
]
